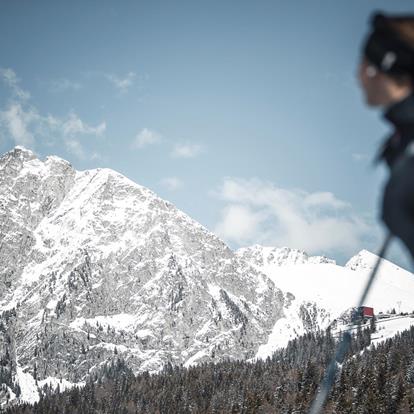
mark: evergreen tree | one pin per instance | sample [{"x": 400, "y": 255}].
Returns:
[
  {"x": 373, "y": 325},
  {"x": 378, "y": 380}
]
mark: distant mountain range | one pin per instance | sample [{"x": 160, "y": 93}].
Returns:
[{"x": 95, "y": 266}]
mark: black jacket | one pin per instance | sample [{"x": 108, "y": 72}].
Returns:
[{"x": 398, "y": 153}]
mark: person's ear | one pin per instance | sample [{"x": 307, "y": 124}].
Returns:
[{"x": 371, "y": 71}]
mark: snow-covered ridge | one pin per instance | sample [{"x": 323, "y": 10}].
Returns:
[
  {"x": 320, "y": 291},
  {"x": 332, "y": 286},
  {"x": 279, "y": 256}
]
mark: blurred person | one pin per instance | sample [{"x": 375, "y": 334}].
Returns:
[{"x": 386, "y": 76}]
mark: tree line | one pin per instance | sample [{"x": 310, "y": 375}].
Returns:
[{"x": 373, "y": 379}]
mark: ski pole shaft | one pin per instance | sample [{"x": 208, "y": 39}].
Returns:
[{"x": 343, "y": 346}]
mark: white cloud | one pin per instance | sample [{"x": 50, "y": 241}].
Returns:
[
  {"x": 172, "y": 183},
  {"x": 186, "y": 150},
  {"x": 146, "y": 137},
  {"x": 10, "y": 78},
  {"x": 24, "y": 125},
  {"x": 122, "y": 83},
  {"x": 63, "y": 85},
  {"x": 259, "y": 212},
  {"x": 22, "y": 122},
  {"x": 73, "y": 125},
  {"x": 324, "y": 199},
  {"x": 17, "y": 124},
  {"x": 239, "y": 223}
]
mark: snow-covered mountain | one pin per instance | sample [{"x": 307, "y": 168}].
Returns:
[
  {"x": 321, "y": 290},
  {"x": 94, "y": 266},
  {"x": 334, "y": 287}
]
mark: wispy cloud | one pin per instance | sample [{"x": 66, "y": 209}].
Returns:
[
  {"x": 63, "y": 85},
  {"x": 10, "y": 78},
  {"x": 17, "y": 122},
  {"x": 186, "y": 150},
  {"x": 25, "y": 125},
  {"x": 75, "y": 147},
  {"x": 172, "y": 183},
  {"x": 259, "y": 212},
  {"x": 73, "y": 125},
  {"x": 123, "y": 84},
  {"x": 145, "y": 138}
]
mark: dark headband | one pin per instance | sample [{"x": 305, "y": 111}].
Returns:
[{"x": 385, "y": 49}]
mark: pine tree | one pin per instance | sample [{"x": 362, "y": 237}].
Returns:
[{"x": 373, "y": 325}]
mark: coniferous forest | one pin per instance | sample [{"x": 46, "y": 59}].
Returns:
[{"x": 372, "y": 379}]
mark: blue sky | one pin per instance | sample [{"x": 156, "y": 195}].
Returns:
[{"x": 246, "y": 115}]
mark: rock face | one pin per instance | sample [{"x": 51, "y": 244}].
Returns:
[
  {"x": 302, "y": 313},
  {"x": 94, "y": 266}
]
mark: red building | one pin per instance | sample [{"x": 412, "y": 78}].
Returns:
[{"x": 366, "y": 312}]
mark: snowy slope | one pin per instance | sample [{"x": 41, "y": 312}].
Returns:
[
  {"x": 324, "y": 289},
  {"x": 337, "y": 288},
  {"x": 388, "y": 328}
]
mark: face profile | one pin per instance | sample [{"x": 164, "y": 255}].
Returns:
[
  {"x": 378, "y": 88},
  {"x": 384, "y": 71},
  {"x": 372, "y": 83}
]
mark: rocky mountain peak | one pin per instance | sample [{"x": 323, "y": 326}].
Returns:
[
  {"x": 92, "y": 262},
  {"x": 12, "y": 162},
  {"x": 21, "y": 152}
]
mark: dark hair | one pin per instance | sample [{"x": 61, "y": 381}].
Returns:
[
  {"x": 404, "y": 27},
  {"x": 390, "y": 45}
]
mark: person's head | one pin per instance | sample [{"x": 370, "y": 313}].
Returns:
[{"x": 386, "y": 70}]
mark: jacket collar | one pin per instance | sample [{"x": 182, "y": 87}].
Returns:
[{"x": 401, "y": 115}]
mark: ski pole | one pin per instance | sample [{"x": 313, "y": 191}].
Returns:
[{"x": 343, "y": 346}]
